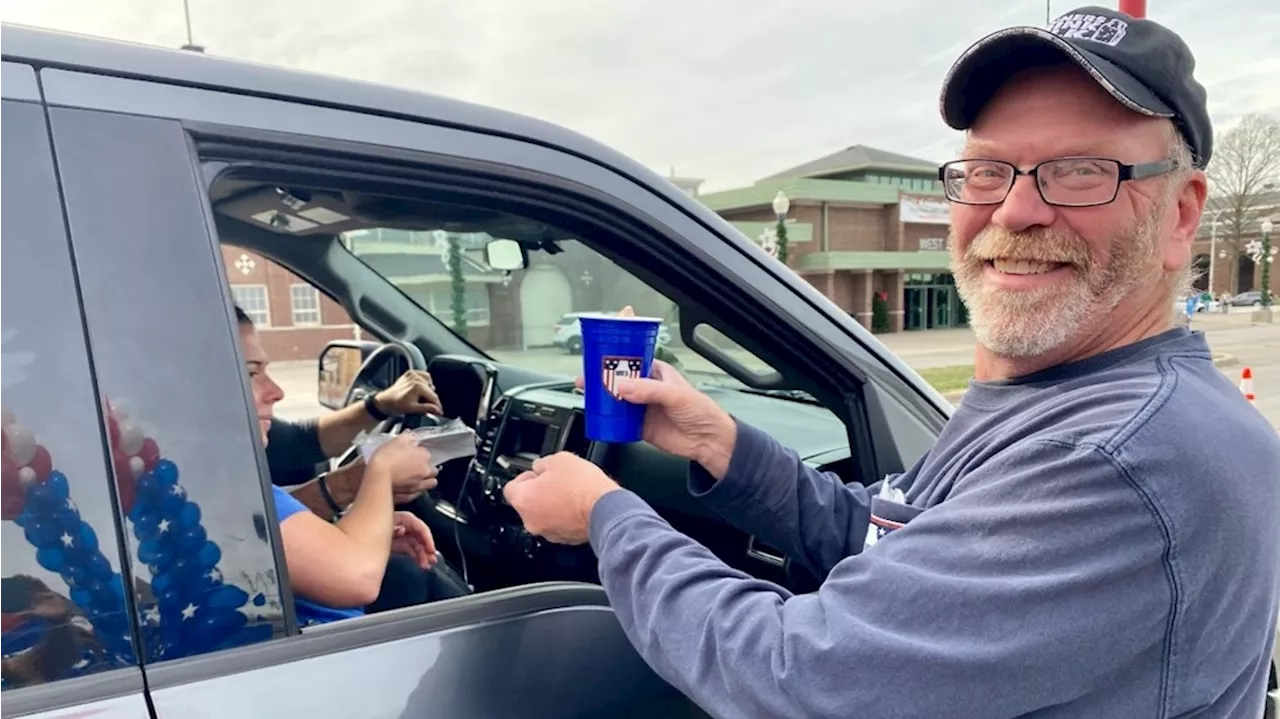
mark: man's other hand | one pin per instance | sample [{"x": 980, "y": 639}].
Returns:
[{"x": 413, "y": 393}]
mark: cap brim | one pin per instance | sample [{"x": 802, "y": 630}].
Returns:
[{"x": 986, "y": 66}]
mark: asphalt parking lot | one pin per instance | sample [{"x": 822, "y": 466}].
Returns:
[{"x": 1256, "y": 346}]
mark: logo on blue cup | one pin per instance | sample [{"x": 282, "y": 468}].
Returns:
[{"x": 616, "y": 368}]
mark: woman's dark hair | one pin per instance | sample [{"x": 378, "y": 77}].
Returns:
[{"x": 243, "y": 317}]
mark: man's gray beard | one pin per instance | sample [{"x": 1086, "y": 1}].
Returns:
[
  {"x": 1021, "y": 324},
  {"x": 1027, "y": 324}
]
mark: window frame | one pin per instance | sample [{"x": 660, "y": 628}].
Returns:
[{"x": 293, "y": 305}]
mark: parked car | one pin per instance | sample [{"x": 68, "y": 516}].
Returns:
[
  {"x": 128, "y": 413},
  {"x": 568, "y": 334},
  {"x": 1252, "y": 298}
]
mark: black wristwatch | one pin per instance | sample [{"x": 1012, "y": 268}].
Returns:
[{"x": 371, "y": 407}]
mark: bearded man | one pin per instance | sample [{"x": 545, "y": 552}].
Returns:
[{"x": 1094, "y": 534}]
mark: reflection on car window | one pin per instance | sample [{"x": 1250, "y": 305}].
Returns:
[
  {"x": 65, "y": 612},
  {"x": 526, "y": 317},
  {"x": 183, "y": 451}
]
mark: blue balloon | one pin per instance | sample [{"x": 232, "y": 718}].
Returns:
[
  {"x": 52, "y": 559},
  {"x": 184, "y": 570},
  {"x": 209, "y": 555},
  {"x": 149, "y": 551},
  {"x": 227, "y": 596},
  {"x": 88, "y": 540},
  {"x": 81, "y": 597},
  {"x": 149, "y": 489},
  {"x": 145, "y": 524},
  {"x": 165, "y": 472},
  {"x": 171, "y": 600},
  {"x": 192, "y": 538},
  {"x": 23, "y": 518},
  {"x": 190, "y": 515},
  {"x": 43, "y": 498},
  {"x": 99, "y": 567},
  {"x": 57, "y": 482},
  {"x": 259, "y": 599},
  {"x": 42, "y": 534},
  {"x": 174, "y": 500},
  {"x": 160, "y": 583}
]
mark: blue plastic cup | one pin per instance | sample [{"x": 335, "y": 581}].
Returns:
[{"x": 615, "y": 348}]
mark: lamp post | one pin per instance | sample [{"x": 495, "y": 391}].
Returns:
[{"x": 781, "y": 205}]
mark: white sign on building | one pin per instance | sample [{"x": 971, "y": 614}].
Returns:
[{"x": 924, "y": 210}]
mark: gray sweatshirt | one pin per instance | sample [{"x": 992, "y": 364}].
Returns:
[{"x": 1096, "y": 540}]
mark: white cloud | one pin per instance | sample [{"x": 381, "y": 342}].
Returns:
[{"x": 728, "y": 90}]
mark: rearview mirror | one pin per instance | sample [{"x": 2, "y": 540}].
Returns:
[
  {"x": 506, "y": 255},
  {"x": 339, "y": 363}
]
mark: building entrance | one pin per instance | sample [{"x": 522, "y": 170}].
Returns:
[{"x": 930, "y": 302}]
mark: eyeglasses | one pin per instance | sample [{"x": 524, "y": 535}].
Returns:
[{"x": 1064, "y": 182}]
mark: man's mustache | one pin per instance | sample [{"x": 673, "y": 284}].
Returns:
[{"x": 1040, "y": 245}]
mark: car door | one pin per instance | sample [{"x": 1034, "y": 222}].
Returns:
[
  {"x": 67, "y": 634},
  {"x": 436, "y": 658}
]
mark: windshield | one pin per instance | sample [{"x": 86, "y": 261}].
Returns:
[{"x": 529, "y": 317}]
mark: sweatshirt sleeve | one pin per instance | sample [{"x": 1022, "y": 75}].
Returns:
[
  {"x": 1042, "y": 574},
  {"x": 770, "y": 493}
]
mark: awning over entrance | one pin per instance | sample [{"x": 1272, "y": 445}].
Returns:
[{"x": 831, "y": 261}]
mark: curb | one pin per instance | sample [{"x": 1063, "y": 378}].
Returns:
[{"x": 1219, "y": 360}]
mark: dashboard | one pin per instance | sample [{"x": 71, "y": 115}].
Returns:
[{"x": 531, "y": 419}]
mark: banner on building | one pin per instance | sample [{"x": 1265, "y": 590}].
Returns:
[{"x": 924, "y": 210}]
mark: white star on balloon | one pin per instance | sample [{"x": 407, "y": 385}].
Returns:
[
  {"x": 188, "y": 612},
  {"x": 67, "y": 540},
  {"x": 163, "y": 526}
]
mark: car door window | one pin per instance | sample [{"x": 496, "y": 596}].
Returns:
[
  {"x": 184, "y": 448},
  {"x": 66, "y": 612}
]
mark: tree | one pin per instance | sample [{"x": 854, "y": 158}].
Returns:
[
  {"x": 880, "y": 312},
  {"x": 1245, "y": 167},
  {"x": 458, "y": 285}
]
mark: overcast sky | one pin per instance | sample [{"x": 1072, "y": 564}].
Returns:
[{"x": 726, "y": 90}]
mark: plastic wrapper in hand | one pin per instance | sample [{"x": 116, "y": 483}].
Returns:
[{"x": 451, "y": 440}]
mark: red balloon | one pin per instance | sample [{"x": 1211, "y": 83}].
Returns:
[
  {"x": 150, "y": 453},
  {"x": 125, "y": 485},
  {"x": 113, "y": 431},
  {"x": 41, "y": 463},
  {"x": 13, "y": 496}
]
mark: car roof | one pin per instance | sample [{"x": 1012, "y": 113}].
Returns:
[{"x": 47, "y": 48}]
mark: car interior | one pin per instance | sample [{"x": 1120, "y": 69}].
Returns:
[{"x": 520, "y": 406}]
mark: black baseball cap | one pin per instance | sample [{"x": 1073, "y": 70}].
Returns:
[{"x": 1144, "y": 65}]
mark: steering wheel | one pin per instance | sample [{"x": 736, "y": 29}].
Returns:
[{"x": 365, "y": 384}]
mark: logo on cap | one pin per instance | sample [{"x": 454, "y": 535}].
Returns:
[{"x": 1093, "y": 28}]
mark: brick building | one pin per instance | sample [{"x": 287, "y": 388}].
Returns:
[
  {"x": 1218, "y": 249},
  {"x": 862, "y": 222},
  {"x": 294, "y": 320}
]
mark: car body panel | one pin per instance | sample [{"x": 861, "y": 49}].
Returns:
[{"x": 506, "y": 653}]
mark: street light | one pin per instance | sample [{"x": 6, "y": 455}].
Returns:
[{"x": 781, "y": 205}]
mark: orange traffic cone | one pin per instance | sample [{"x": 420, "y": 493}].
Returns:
[{"x": 1246, "y": 386}]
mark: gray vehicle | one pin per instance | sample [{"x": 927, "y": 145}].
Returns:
[{"x": 143, "y": 574}]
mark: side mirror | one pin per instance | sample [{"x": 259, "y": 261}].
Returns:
[
  {"x": 506, "y": 255},
  {"x": 339, "y": 363}
]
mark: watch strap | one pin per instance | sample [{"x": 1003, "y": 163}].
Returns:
[{"x": 371, "y": 406}]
